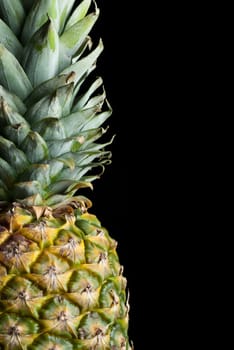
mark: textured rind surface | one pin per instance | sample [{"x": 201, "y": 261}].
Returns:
[{"x": 61, "y": 284}]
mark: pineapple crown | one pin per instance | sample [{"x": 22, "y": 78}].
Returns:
[{"x": 50, "y": 120}]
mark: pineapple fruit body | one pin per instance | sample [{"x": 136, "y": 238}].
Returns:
[{"x": 61, "y": 284}]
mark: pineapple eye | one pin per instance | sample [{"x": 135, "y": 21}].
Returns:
[
  {"x": 99, "y": 232},
  {"x": 62, "y": 317},
  {"x": 22, "y": 295},
  {"x": 14, "y": 331},
  {"x": 102, "y": 258},
  {"x": 87, "y": 289}
]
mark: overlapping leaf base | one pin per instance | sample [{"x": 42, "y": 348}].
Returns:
[{"x": 61, "y": 285}]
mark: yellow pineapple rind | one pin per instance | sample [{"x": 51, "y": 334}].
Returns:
[{"x": 61, "y": 280}]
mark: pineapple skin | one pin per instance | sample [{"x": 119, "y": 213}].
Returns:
[{"x": 61, "y": 284}]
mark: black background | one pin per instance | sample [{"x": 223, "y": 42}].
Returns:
[{"x": 111, "y": 196}]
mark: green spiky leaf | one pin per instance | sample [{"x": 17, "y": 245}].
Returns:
[
  {"x": 4, "y": 193},
  {"x": 9, "y": 116},
  {"x": 97, "y": 120},
  {"x": 12, "y": 75},
  {"x": 16, "y": 133},
  {"x": 85, "y": 64},
  {"x": 10, "y": 41},
  {"x": 73, "y": 38},
  {"x": 22, "y": 190},
  {"x": 12, "y": 100},
  {"x": 59, "y": 147},
  {"x": 14, "y": 156},
  {"x": 78, "y": 14},
  {"x": 13, "y": 14},
  {"x": 83, "y": 99},
  {"x": 46, "y": 106},
  {"x": 65, "y": 9},
  {"x": 50, "y": 129},
  {"x": 7, "y": 174},
  {"x": 37, "y": 172},
  {"x": 35, "y": 142},
  {"x": 43, "y": 47},
  {"x": 38, "y": 16},
  {"x": 49, "y": 87},
  {"x": 74, "y": 122}
]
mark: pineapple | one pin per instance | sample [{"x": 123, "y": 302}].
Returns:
[{"x": 61, "y": 284}]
